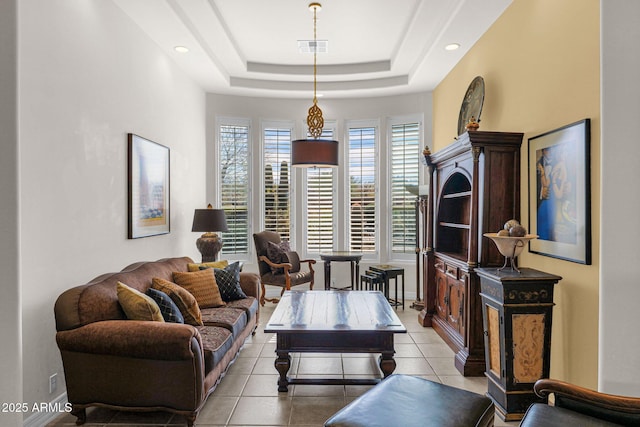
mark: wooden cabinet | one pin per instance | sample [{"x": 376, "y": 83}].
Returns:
[{"x": 474, "y": 188}]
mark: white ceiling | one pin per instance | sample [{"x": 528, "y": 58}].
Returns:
[{"x": 376, "y": 47}]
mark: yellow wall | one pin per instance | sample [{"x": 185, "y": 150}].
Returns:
[{"x": 540, "y": 62}]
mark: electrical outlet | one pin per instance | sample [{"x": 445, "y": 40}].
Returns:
[{"x": 53, "y": 383}]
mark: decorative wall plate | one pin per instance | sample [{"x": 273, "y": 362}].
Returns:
[{"x": 471, "y": 104}]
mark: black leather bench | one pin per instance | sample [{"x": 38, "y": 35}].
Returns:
[{"x": 407, "y": 401}]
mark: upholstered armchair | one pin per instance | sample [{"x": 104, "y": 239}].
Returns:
[
  {"x": 578, "y": 406},
  {"x": 279, "y": 265}
]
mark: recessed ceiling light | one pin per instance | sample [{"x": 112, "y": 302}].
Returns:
[
  {"x": 452, "y": 46},
  {"x": 181, "y": 49}
]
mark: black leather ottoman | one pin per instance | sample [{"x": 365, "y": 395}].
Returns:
[{"x": 406, "y": 401}]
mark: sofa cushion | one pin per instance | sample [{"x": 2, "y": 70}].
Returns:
[
  {"x": 277, "y": 254},
  {"x": 192, "y": 266},
  {"x": 136, "y": 305},
  {"x": 186, "y": 303},
  {"x": 202, "y": 285},
  {"x": 543, "y": 415},
  {"x": 233, "y": 319},
  {"x": 281, "y": 280},
  {"x": 216, "y": 341},
  {"x": 169, "y": 310},
  {"x": 249, "y": 305},
  {"x": 228, "y": 280}
]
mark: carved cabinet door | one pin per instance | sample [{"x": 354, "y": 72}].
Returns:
[
  {"x": 456, "y": 304},
  {"x": 442, "y": 295}
]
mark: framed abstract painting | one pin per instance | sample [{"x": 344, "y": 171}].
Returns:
[
  {"x": 560, "y": 193},
  {"x": 148, "y": 180}
]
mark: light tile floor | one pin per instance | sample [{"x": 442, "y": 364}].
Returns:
[{"x": 248, "y": 395}]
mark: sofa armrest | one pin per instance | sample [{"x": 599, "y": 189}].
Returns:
[
  {"x": 250, "y": 284},
  {"x": 134, "y": 338},
  {"x": 614, "y": 408}
]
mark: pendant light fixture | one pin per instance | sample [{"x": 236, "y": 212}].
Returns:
[{"x": 314, "y": 152}]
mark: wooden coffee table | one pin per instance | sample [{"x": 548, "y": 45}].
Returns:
[{"x": 333, "y": 322}]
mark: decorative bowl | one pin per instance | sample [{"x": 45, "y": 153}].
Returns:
[{"x": 510, "y": 247}]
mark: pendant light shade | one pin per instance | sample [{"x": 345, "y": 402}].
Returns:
[
  {"x": 309, "y": 153},
  {"x": 314, "y": 152}
]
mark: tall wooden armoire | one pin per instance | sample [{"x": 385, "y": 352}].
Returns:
[{"x": 474, "y": 189}]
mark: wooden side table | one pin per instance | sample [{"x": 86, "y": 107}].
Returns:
[
  {"x": 517, "y": 311},
  {"x": 352, "y": 257},
  {"x": 391, "y": 272}
]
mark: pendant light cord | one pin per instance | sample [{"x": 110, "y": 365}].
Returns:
[{"x": 315, "y": 54}]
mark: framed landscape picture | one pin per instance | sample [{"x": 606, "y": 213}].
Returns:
[
  {"x": 148, "y": 176},
  {"x": 560, "y": 193}
]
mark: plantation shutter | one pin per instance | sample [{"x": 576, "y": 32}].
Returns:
[
  {"x": 320, "y": 205},
  {"x": 362, "y": 189},
  {"x": 405, "y": 151},
  {"x": 277, "y": 181},
  {"x": 234, "y": 187}
]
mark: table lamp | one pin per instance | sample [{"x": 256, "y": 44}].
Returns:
[{"x": 210, "y": 221}]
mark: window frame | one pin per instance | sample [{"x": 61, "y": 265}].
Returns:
[
  {"x": 278, "y": 124},
  {"x": 236, "y": 122},
  {"x": 332, "y": 125},
  {"x": 345, "y": 244},
  {"x": 392, "y": 121}
]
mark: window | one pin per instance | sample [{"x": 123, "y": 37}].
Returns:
[
  {"x": 362, "y": 189},
  {"x": 405, "y": 152},
  {"x": 233, "y": 145},
  {"x": 320, "y": 205},
  {"x": 277, "y": 180}
]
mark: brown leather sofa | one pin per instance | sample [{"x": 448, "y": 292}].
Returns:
[
  {"x": 132, "y": 365},
  {"x": 579, "y": 406}
]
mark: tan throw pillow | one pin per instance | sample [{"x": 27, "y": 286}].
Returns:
[
  {"x": 202, "y": 285},
  {"x": 213, "y": 264},
  {"x": 186, "y": 303},
  {"x": 136, "y": 305}
]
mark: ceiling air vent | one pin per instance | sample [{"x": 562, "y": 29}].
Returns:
[{"x": 310, "y": 46}]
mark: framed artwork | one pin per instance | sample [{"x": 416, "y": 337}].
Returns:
[
  {"x": 560, "y": 193},
  {"x": 148, "y": 174}
]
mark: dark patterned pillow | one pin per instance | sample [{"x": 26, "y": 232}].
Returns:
[
  {"x": 169, "y": 310},
  {"x": 228, "y": 280},
  {"x": 277, "y": 253}
]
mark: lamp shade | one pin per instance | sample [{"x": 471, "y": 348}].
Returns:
[
  {"x": 309, "y": 153},
  {"x": 209, "y": 220}
]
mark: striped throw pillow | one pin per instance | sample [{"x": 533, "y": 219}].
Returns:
[
  {"x": 184, "y": 300},
  {"x": 202, "y": 285}
]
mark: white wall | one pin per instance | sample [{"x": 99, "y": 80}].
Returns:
[
  {"x": 10, "y": 331},
  {"x": 619, "y": 370},
  {"x": 88, "y": 76},
  {"x": 258, "y": 110}
]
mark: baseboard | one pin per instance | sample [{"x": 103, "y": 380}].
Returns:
[{"x": 47, "y": 412}]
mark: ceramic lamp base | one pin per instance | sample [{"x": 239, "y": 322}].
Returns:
[{"x": 209, "y": 245}]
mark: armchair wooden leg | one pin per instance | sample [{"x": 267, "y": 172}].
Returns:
[{"x": 262, "y": 295}]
